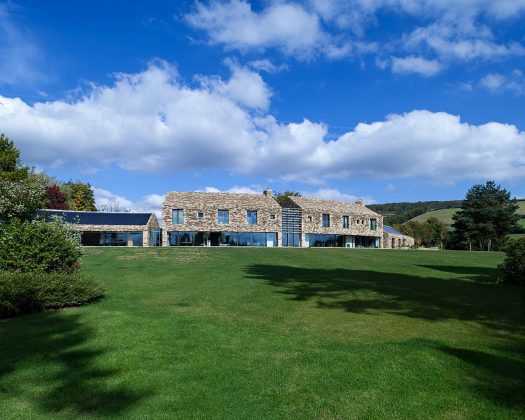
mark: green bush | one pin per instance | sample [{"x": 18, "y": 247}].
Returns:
[
  {"x": 22, "y": 293},
  {"x": 513, "y": 266},
  {"x": 39, "y": 246}
]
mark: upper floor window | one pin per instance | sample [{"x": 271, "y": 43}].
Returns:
[
  {"x": 178, "y": 216},
  {"x": 251, "y": 217},
  {"x": 373, "y": 224},
  {"x": 200, "y": 215},
  {"x": 326, "y": 220},
  {"x": 346, "y": 222},
  {"x": 223, "y": 217},
  {"x": 272, "y": 216}
]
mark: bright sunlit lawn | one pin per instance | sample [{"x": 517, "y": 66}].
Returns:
[{"x": 271, "y": 333}]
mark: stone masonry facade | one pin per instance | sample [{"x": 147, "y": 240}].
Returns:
[
  {"x": 393, "y": 240},
  {"x": 359, "y": 217},
  {"x": 208, "y": 204}
]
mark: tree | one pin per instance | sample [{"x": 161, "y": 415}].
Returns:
[
  {"x": 513, "y": 268},
  {"x": 437, "y": 231},
  {"x": 80, "y": 196},
  {"x": 21, "y": 190},
  {"x": 281, "y": 197},
  {"x": 54, "y": 198},
  {"x": 11, "y": 169},
  {"x": 487, "y": 215}
]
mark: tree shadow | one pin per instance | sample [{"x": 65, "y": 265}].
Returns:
[
  {"x": 498, "y": 377},
  {"x": 493, "y": 305},
  {"x": 53, "y": 348},
  {"x": 498, "y": 373},
  {"x": 477, "y": 274}
]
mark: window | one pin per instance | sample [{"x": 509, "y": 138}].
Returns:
[
  {"x": 326, "y": 220},
  {"x": 251, "y": 217},
  {"x": 346, "y": 222},
  {"x": 272, "y": 216},
  {"x": 200, "y": 215},
  {"x": 178, "y": 216},
  {"x": 223, "y": 217},
  {"x": 373, "y": 224},
  {"x": 309, "y": 218}
]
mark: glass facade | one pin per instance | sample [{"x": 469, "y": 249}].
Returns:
[
  {"x": 178, "y": 216},
  {"x": 350, "y": 241},
  {"x": 112, "y": 239},
  {"x": 251, "y": 217},
  {"x": 266, "y": 239},
  {"x": 326, "y": 220},
  {"x": 223, "y": 217}
]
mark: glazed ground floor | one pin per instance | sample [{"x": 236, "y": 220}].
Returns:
[
  {"x": 121, "y": 238},
  {"x": 269, "y": 239}
]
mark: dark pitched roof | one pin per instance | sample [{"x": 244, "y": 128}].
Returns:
[
  {"x": 390, "y": 229},
  {"x": 97, "y": 218}
]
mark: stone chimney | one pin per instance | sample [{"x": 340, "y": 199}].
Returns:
[
  {"x": 359, "y": 203},
  {"x": 267, "y": 192}
]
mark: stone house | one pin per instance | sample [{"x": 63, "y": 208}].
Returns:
[
  {"x": 393, "y": 238},
  {"x": 111, "y": 229},
  {"x": 310, "y": 222},
  {"x": 221, "y": 219}
]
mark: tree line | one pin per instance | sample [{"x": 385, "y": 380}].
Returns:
[{"x": 23, "y": 190}]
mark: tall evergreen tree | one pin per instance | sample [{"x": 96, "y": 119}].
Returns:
[{"x": 487, "y": 215}]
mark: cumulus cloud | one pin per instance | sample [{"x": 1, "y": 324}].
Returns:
[
  {"x": 448, "y": 32},
  {"x": 413, "y": 64},
  {"x": 335, "y": 194},
  {"x": 153, "y": 121},
  {"x": 106, "y": 200},
  {"x": 245, "y": 87},
  {"x": 287, "y": 26}
]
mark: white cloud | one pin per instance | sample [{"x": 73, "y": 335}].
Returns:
[
  {"x": 513, "y": 82},
  {"x": 413, "y": 64},
  {"x": 335, "y": 194},
  {"x": 106, "y": 200},
  {"x": 267, "y": 66},
  {"x": 286, "y": 26},
  {"x": 450, "y": 31},
  {"x": 245, "y": 87},
  {"x": 235, "y": 189},
  {"x": 153, "y": 121}
]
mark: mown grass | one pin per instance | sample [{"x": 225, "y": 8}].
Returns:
[{"x": 270, "y": 333}]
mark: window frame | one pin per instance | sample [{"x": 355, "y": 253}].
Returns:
[
  {"x": 347, "y": 220},
  {"x": 325, "y": 221},
  {"x": 249, "y": 217},
  {"x": 220, "y": 217},
  {"x": 180, "y": 221}
]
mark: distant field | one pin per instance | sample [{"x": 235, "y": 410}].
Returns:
[
  {"x": 445, "y": 215},
  {"x": 274, "y": 333}
]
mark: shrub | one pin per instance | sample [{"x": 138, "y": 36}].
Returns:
[
  {"x": 22, "y": 293},
  {"x": 39, "y": 246},
  {"x": 513, "y": 266}
]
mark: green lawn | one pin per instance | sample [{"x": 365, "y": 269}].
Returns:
[
  {"x": 443, "y": 215},
  {"x": 269, "y": 333}
]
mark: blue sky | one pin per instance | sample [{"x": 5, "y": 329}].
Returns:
[{"x": 387, "y": 100}]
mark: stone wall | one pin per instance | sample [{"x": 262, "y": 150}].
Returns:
[
  {"x": 400, "y": 241},
  {"x": 208, "y": 204}
]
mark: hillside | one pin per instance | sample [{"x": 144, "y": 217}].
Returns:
[
  {"x": 445, "y": 216},
  {"x": 397, "y": 213}
]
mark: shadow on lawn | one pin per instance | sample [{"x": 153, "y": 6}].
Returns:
[
  {"x": 497, "y": 374},
  {"x": 54, "y": 348},
  {"x": 361, "y": 291}
]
